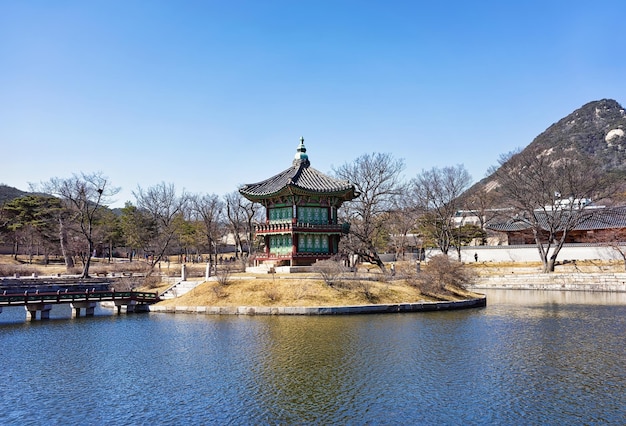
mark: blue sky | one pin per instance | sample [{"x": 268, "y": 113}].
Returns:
[{"x": 210, "y": 95}]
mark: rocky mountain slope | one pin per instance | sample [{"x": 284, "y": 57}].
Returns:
[{"x": 596, "y": 131}]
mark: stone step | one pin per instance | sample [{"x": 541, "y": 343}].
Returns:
[{"x": 180, "y": 288}]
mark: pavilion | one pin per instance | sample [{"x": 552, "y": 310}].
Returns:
[{"x": 301, "y": 204}]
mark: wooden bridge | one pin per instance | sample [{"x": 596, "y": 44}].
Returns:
[{"x": 42, "y": 301}]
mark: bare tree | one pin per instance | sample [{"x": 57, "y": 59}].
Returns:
[
  {"x": 241, "y": 214},
  {"x": 402, "y": 220},
  {"x": 166, "y": 211},
  {"x": 436, "y": 193},
  {"x": 616, "y": 240},
  {"x": 481, "y": 203},
  {"x": 377, "y": 178},
  {"x": 331, "y": 270},
  {"x": 609, "y": 231},
  {"x": 84, "y": 195},
  {"x": 549, "y": 191},
  {"x": 208, "y": 210}
]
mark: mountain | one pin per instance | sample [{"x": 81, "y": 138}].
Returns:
[
  {"x": 596, "y": 131},
  {"x": 7, "y": 193}
]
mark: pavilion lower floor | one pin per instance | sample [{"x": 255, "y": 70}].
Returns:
[
  {"x": 297, "y": 259},
  {"x": 297, "y": 249}
]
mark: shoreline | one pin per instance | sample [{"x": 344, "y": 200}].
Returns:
[
  {"x": 569, "y": 281},
  {"x": 478, "y": 302}
]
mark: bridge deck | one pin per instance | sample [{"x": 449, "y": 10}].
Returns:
[{"x": 27, "y": 298}]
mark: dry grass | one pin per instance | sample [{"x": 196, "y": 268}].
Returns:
[
  {"x": 585, "y": 266},
  {"x": 307, "y": 290}
]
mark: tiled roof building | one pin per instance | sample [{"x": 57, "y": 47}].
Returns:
[
  {"x": 594, "y": 224},
  {"x": 300, "y": 213}
]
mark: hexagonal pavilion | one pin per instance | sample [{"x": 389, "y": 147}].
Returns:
[{"x": 301, "y": 205}]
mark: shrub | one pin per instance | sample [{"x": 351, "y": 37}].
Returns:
[
  {"x": 152, "y": 281},
  {"x": 20, "y": 270},
  {"x": 272, "y": 294},
  {"x": 124, "y": 284},
  {"x": 331, "y": 271},
  {"x": 365, "y": 288},
  {"x": 441, "y": 274},
  {"x": 223, "y": 275},
  {"x": 300, "y": 290},
  {"x": 219, "y": 291}
]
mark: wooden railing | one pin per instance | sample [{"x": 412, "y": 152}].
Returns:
[
  {"x": 298, "y": 227},
  {"x": 30, "y": 297}
]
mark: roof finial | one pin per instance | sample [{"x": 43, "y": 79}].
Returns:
[{"x": 301, "y": 155}]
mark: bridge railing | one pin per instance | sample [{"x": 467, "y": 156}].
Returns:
[{"x": 11, "y": 299}]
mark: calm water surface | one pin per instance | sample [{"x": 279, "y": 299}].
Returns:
[{"x": 530, "y": 357}]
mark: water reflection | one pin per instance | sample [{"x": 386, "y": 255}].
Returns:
[
  {"x": 529, "y": 357},
  {"x": 543, "y": 297}
]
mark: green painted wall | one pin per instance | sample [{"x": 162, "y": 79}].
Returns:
[
  {"x": 313, "y": 243},
  {"x": 313, "y": 215},
  {"x": 280, "y": 244},
  {"x": 280, "y": 214}
]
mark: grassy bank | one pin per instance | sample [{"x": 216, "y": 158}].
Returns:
[
  {"x": 367, "y": 286},
  {"x": 308, "y": 290}
]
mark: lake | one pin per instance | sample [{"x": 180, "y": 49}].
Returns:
[{"x": 529, "y": 357}]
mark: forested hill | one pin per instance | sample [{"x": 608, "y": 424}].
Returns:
[{"x": 8, "y": 193}]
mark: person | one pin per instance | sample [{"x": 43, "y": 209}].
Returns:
[
  {"x": 393, "y": 269},
  {"x": 476, "y": 257}
]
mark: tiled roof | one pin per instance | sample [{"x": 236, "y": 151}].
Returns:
[
  {"x": 510, "y": 225},
  {"x": 300, "y": 177},
  {"x": 604, "y": 219},
  {"x": 594, "y": 219}
]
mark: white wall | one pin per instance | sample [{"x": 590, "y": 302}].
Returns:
[
  {"x": 526, "y": 253},
  {"x": 530, "y": 253}
]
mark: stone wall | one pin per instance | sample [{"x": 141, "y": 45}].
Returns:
[
  {"x": 330, "y": 310},
  {"x": 554, "y": 281}
]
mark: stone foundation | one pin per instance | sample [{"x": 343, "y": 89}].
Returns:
[
  {"x": 554, "y": 281},
  {"x": 323, "y": 310}
]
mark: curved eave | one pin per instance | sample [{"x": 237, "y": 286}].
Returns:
[{"x": 344, "y": 193}]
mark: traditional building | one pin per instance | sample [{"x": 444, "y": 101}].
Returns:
[
  {"x": 595, "y": 225},
  {"x": 301, "y": 205}
]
